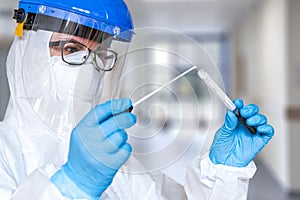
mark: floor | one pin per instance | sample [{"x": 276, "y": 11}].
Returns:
[{"x": 263, "y": 186}]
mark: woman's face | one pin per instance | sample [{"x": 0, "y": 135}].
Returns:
[{"x": 57, "y": 37}]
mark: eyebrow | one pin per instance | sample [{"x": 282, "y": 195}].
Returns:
[
  {"x": 54, "y": 44},
  {"x": 57, "y": 43}
]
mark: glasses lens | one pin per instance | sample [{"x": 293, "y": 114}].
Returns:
[
  {"x": 105, "y": 59},
  {"x": 75, "y": 53}
]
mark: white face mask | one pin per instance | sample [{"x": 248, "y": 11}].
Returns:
[
  {"x": 76, "y": 81},
  {"x": 77, "y": 85}
]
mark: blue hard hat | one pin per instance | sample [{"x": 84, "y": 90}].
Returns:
[{"x": 112, "y": 16}]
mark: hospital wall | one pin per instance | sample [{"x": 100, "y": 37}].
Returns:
[
  {"x": 294, "y": 89},
  {"x": 266, "y": 67}
]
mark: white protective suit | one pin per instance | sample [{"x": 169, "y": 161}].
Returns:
[{"x": 30, "y": 153}]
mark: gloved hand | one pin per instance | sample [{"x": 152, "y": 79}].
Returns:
[
  {"x": 98, "y": 148},
  {"x": 233, "y": 144}
]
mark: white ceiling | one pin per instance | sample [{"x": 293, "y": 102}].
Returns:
[{"x": 190, "y": 15}]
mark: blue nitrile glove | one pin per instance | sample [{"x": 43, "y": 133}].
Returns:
[
  {"x": 98, "y": 148},
  {"x": 233, "y": 144}
]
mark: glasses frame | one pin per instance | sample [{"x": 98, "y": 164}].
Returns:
[{"x": 62, "y": 43}]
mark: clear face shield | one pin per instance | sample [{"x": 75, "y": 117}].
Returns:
[{"x": 69, "y": 68}]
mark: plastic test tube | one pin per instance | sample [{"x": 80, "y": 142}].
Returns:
[{"x": 223, "y": 97}]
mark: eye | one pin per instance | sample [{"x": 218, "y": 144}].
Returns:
[{"x": 71, "y": 47}]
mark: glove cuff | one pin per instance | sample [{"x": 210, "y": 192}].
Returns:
[
  {"x": 215, "y": 171},
  {"x": 67, "y": 187}
]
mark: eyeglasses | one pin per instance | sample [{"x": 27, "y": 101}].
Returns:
[{"x": 75, "y": 53}]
